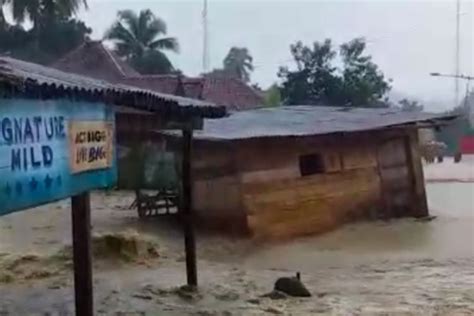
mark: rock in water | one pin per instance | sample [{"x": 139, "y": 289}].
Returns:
[{"x": 292, "y": 286}]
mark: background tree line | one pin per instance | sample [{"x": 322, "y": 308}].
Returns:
[
  {"x": 141, "y": 39},
  {"x": 53, "y": 33}
]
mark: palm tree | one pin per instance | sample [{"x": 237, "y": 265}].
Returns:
[
  {"x": 3, "y": 22},
  {"x": 41, "y": 13},
  {"x": 137, "y": 39},
  {"x": 34, "y": 9},
  {"x": 238, "y": 63}
]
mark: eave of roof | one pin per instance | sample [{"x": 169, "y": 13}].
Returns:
[
  {"x": 36, "y": 81},
  {"x": 296, "y": 121}
]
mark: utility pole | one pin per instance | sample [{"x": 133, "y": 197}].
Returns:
[
  {"x": 457, "y": 57},
  {"x": 205, "y": 43},
  {"x": 468, "y": 80}
]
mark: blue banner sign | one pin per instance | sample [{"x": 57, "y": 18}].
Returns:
[{"x": 50, "y": 150}]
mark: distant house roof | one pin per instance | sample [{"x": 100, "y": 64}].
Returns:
[
  {"x": 94, "y": 60},
  {"x": 233, "y": 93},
  {"x": 160, "y": 83},
  {"x": 36, "y": 81},
  {"x": 307, "y": 121},
  {"x": 229, "y": 92}
]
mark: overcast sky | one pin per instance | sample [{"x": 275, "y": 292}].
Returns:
[{"x": 408, "y": 39}]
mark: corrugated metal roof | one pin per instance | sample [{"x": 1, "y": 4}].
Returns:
[
  {"x": 307, "y": 120},
  {"x": 45, "y": 82}
]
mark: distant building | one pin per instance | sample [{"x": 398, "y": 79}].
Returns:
[
  {"x": 93, "y": 59},
  {"x": 466, "y": 145},
  {"x": 296, "y": 170}
]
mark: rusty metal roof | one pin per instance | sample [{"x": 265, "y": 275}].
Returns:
[
  {"x": 290, "y": 121},
  {"x": 32, "y": 80}
]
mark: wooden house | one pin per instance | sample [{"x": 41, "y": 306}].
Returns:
[{"x": 286, "y": 171}]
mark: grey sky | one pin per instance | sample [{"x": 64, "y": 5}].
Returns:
[{"x": 408, "y": 39}]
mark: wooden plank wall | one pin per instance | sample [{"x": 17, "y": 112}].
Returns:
[
  {"x": 280, "y": 203},
  {"x": 255, "y": 186},
  {"x": 419, "y": 202},
  {"x": 395, "y": 176},
  {"x": 216, "y": 192}
]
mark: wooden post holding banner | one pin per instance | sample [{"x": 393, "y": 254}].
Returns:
[
  {"x": 187, "y": 212},
  {"x": 81, "y": 240},
  {"x": 52, "y": 150}
]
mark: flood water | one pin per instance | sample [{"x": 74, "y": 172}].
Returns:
[
  {"x": 448, "y": 237},
  {"x": 399, "y": 267}
]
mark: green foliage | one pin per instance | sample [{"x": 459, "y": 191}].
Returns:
[
  {"x": 410, "y": 106},
  {"x": 54, "y": 32},
  {"x": 316, "y": 79},
  {"x": 273, "y": 96},
  {"x": 37, "y": 10},
  {"x": 238, "y": 63},
  {"x": 137, "y": 39}
]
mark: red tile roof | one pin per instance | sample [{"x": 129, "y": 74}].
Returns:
[
  {"x": 160, "y": 83},
  {"x": 94, "y": 60},
  {"x": 232, "y": 93},
  {"x": 193, "y": 87}
]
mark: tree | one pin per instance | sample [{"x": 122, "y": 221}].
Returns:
[
  {"x": 316, "y": 79},
  {"x": 3, "y": 21},
  {"x": 35, "y": 9},
  {"x": 363, "y": 83},
  {"x": 273, "y": 96},
  {"x": 137, "y": 39},
  {"x": 238, "y": 63},
  {"x": 410, "y": 106},
  {"x": 53, "y": 34}
]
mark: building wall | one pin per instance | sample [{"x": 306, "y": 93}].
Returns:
[
  {"x": 216, "y": 188},
  {"x": 258, "y": 184},
  {"x": 280, "y": 202}
]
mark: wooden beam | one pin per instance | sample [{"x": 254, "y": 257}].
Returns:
[
  {"x": 195, "y": 123},
  {"x": 420, "y": 204},
  {"x": 81, "y": 239},
  {"x": 187, "y": 204}
]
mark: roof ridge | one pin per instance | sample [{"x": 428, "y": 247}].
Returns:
[
  {"x": 57, "y": 83},
  {"x": 71, "y": 52},
  {"x": 111, "y": 57}
]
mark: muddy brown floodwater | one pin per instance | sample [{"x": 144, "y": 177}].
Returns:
[{"x": 399, "y": 267}]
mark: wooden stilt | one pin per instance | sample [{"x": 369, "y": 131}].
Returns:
[
  {"x": 187, "y": 212},
  {"x": 81, "y": 239}
]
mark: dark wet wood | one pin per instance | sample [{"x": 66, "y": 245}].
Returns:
[
  {"x": 187, "y": 212},
  {"x": 81, "y": 238}
]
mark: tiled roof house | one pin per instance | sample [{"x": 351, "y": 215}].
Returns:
[{"x": 93, "y": 59}]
